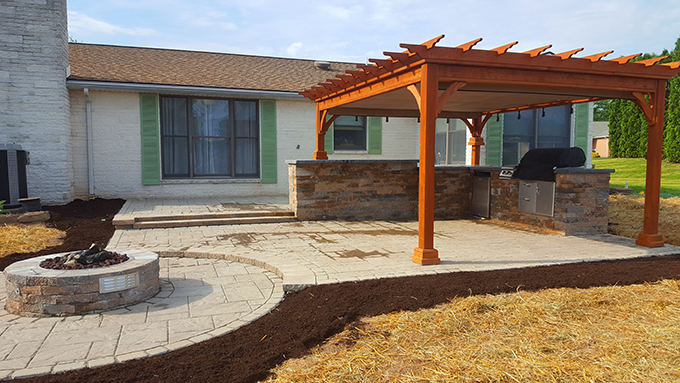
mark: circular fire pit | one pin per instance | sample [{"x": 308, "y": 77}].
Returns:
[{"x": 35, "y": 291}]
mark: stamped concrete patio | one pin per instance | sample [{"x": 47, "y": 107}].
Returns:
[{"x": 220, "y": 277}]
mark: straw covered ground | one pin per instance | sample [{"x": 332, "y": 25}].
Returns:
[
  {"x": 626, "y": 213},
  {"x": 27, "y": 239},
  {"x": 603, "y": 334}
]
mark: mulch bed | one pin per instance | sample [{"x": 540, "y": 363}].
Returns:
[{"x": 306, "y": 318}]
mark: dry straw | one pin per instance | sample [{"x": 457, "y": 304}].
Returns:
[
  {"x": 604, "y": 334},
  {"x": 27, "y": 239},
  {"x": 626, "y": 214}
]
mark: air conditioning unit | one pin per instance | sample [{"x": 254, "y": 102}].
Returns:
[{"x": 13, "y": 163}]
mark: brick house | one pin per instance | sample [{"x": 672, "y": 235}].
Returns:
[{"x": 129, "y": 122}]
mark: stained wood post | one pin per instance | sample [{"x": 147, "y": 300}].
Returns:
[
  {"x": 425, "y": 253},
  {"x": 320, "y": 153},
  {"x": 650, "y": 236}
]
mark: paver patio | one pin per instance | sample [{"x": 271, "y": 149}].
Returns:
[{"x": 217, "y": 278}]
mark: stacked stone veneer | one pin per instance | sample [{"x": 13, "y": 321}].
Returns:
[
  {"x": 581, "y": 202},
  {"x": 377, "y": 190},
  {"x": 373, "y": 190},
  {"x": 36, "y": 292},
  {"x": 34, "y": 105}
]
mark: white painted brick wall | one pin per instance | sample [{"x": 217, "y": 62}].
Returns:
[
  {"x": 117, "y": 150},
  {"x": 34, "y": 105}
]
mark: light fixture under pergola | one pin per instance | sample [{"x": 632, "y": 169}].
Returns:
[{"x": 428, "y": 81}]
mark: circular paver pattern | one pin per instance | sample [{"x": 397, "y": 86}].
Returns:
[{"x": 199, "y": 299}]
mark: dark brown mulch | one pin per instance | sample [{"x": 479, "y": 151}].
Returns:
[
  {"x": 85, "y": 223},
  {"x": 305, "y": 318}
]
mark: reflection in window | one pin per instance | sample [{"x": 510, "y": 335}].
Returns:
[
  {"x": 450, "y": 141},
  {"x": 209, "y": 138},
  {"x": 539, "y": 128},
  {"x": 349, "y": 133}
]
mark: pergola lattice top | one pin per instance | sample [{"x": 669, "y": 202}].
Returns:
[{"x": 495, "y": 80}]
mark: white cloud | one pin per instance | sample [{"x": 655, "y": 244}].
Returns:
[
  {"x": 294, "y": 49},
  {"x": 79, "y": 24}
]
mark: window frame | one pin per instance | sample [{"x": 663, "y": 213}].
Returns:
[{"x": 191, "y": 137}]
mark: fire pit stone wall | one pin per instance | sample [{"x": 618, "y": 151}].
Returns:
[{"x": 37, "y": 292}]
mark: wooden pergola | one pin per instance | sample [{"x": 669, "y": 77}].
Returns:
[{"x": 430, "y": 82}]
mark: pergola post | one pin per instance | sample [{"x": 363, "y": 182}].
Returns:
[
  {"x": 425, "y": 253},
  {"x": 322, "y": 125},
  {"x": 650, "y": 236},
  {"x": 476, "y": 141}
]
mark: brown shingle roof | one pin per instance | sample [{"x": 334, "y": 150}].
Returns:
[{"x": 109, "y": 63}]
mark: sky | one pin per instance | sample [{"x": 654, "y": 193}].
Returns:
[{"x": 353, "y": 31}]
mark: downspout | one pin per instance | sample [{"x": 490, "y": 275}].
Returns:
[{"x": 90, "y": 150}]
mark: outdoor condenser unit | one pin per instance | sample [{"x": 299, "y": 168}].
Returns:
[{"x": 13, "y": 162}]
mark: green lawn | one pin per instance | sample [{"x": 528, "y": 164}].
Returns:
[{"x": 633, "y": 170}]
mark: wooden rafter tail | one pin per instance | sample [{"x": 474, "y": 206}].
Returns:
[
  {"x": 429, "y": 44},
  {"x": 370, "y": 69},
  {"x": 504, "y": 48},
  {"x": 420, "y": 50},
  {"x": 387, "y": 64},
  {"x": 568, "y": 54},
  {"x": 652, "y": 61},
  {"x": 403, "y": 57},
  {"x": 346, "y": 78},
  {"x": 467, "y": 46},
  {"x": 597, "y": 56},
  {"x": 537, "y": 51},
  {"x": 673, "y": 65},
  {"x": 625, "y": 59},
  {"x": 358, "y": 74}
]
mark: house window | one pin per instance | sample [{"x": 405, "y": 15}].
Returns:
[
  {"x": 539, "y": 128},
  {"x": 209, "y": 138},
  {"x": 349, "y": 133},
  {"x": 450, "y": 141}
]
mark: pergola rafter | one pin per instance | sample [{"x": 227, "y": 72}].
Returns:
[{"x": 428, "y": 81}]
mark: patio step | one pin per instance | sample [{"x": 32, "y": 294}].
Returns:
[{"x": 206, "y": 219}]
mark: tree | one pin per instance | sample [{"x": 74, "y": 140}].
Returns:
[
  {"x": 628, "y": 127},
  {"x": 601, "y": 110}
]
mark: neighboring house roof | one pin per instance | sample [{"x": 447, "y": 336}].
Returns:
[
  {"x": 600, "y": 129},
  {"x": 107, "y": 63}
]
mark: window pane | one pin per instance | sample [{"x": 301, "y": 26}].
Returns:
[
  {"x": 246, "y": 157},
  {"x": 211, "y": 156},
  {"x": 174, "y": 118},
  {"x": 246, "y": 119},
  {"x": 211, "y": 118},
  {"x": 175, "y": 156},
  {"x": 554, "y": 129},
  {"x": 518, "y": 136},
  {"x": 349, "y": 133}
]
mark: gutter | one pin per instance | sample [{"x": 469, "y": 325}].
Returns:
[
  {"x": 177, "y": 89},
  {"x": 90, "y": 142}
]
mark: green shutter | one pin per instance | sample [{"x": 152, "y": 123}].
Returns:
[
  {"x": 494, "y": 140},
  {"x": 328, "y": 139},
  {"x": 581, "y": 120},
  {"x": 150, "y": 132},
  {"x": 268, "y": 141},
  {"x": 374, "y": 135}
]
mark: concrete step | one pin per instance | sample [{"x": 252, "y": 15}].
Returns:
[
  {"x": 204, "y": 219},
  {"x": 174, "y": 222},
  {"x": 239, "y": 214}
]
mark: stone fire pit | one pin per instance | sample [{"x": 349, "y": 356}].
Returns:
[{"x": 35, "y": 291}]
